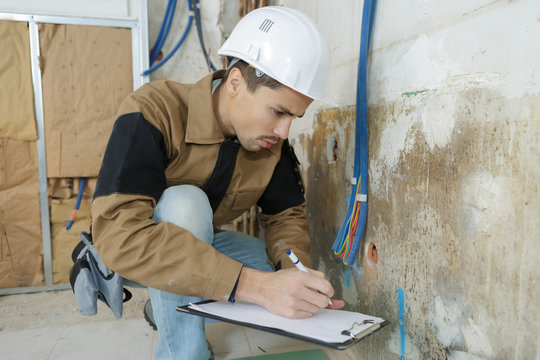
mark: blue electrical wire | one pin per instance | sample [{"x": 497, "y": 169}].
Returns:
[
  {"x": 77, "y": 204},
  {"x": 194, "y": 13},
  {"x": 361, "y": 146},
  {"x": 198, "y": 24},
  {"x": 401, "y": 308},
  {"x": 176, "y": 47},
  {"x": 163, "y": 31},
  {"x": 362, "y": 134}
]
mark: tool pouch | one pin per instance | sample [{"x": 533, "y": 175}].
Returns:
[{"x": 91, "y": 280}]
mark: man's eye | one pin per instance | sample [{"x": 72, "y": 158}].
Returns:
[{"x": 278, "y": 113}]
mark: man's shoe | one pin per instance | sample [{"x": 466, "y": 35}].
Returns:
[
  {"x": 149, "y": 314},
  {"x": 211, "y": 351}
]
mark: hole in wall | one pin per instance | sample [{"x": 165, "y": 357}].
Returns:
[
  {"x": 332, "y": 148},
  {"x": 372, "y": 256}
]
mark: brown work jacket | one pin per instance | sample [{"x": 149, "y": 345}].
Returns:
[{"x": 167, "y": 134}]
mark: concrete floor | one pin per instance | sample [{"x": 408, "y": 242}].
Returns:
[{"x": 48, "y": 326}]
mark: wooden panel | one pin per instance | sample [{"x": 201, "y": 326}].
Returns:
[
  {"x": 21, "y": 262},
  {"x": 87, "y": 72},
  {"x": 17, "y": 120}
]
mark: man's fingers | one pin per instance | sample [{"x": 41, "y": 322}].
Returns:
[
  {"x": 336, "y": 304},
  {"x": 315, "y": 297},
  {"x": 296, "y": 307},
  {"x": 317, "y": 273},
  {"x": 320, "y": 285},
  {"x": 313, "y": 289},
  {"x": 296, "y": 294}
]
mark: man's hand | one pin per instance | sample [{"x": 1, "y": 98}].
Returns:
[{"x": 290, "y": 293}]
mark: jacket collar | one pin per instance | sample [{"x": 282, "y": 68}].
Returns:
[{"x": 201, "y": 125}]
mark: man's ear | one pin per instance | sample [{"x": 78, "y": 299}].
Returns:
[{"x": 235, "y": 81}]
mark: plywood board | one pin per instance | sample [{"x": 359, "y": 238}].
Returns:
[
  {"x": 86, "y": 73},
  {"x": 21, "y": 262},
  {"x": 17, "y": 120}
]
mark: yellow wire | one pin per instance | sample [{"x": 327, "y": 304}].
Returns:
[{"x": 347, "y": 240}]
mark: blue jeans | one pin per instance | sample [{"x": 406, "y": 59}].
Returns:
[{"x": 182, "y": 336}]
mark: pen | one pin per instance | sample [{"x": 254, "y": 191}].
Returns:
[{"x": 300, "y": 266}]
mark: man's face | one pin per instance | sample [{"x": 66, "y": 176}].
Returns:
[{"x": 261, "y": 118}]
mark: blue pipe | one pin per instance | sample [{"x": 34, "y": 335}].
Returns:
[
  {"x": 163, "y": 31},
  {"x": 176, "y": 47},
  {"x": 362, "y": 130},
  {"x": 167, "y": 29},
  {"x": 361, "y": 139},
  {"x": 198, "y": 23},
  {"x": 77, "y": 204},
  {"x": 401, "y": 308}
]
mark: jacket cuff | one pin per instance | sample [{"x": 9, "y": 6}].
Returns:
[
  {"x": 224, "y": 280},
  {"x": 233, "y": 293}
]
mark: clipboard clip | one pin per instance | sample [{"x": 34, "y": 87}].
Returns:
[{"x": 349, "y": 331}]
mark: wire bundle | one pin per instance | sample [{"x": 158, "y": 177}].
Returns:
[
  {"x": 345, "y": 241},
  {"x": 350, "y": 235},
  {"x": 163, "y": 31},
  {"x": 194, "y": 13},
  {"x": 198, "y": 24}
]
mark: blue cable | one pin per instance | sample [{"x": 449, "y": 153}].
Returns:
[
  {"x": 401, "y": 307},
  {"x": 77, "y": 204},
  {"x": 362, "y": 132},
  {"x": 162, "y": 33},
  {"x": 171, "y": 7},
  {"x": 176, "y": 47},
  {"x": 198, "y": 23},
  {"x": 361, "y": 141}
]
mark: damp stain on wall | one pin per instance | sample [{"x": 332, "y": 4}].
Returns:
[
  {"x": 331, "y": 157},
  {"x": 453, "y": 212}
]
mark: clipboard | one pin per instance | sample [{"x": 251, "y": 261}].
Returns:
[{"x": 337, "y": 329}]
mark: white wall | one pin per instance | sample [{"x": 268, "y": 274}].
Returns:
[{"x": 454, "y": 163}]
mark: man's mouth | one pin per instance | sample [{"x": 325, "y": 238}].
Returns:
[{"x": 267, "y": 142}]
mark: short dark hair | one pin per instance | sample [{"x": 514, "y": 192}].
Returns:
[{"x": 252, "y": 80}]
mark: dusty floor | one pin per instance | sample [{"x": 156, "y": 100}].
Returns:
[
  {"x": 55, "y": 308},
  {"x": 48, "y": 326}
]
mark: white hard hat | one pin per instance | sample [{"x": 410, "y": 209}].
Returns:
[{"x": 286, "y": 45}]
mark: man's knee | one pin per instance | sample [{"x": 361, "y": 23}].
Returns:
[{"x": 188, "y": 207}]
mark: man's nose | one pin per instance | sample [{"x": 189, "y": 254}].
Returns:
[{"x": 282, "y": 130}]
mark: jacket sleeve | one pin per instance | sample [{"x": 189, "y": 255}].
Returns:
[
  {"x": 159, "y": 255},
  {"x": 283, "y": 212}
]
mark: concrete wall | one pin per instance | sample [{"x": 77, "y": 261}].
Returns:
[
  {"x": 454, "y": 212},
  {"x": 454, "y": 126}
]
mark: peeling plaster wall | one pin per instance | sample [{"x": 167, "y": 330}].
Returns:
[{"x": 454, "y": 210}]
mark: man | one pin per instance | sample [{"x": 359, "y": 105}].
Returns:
[{"x": 183, "y": 159}]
